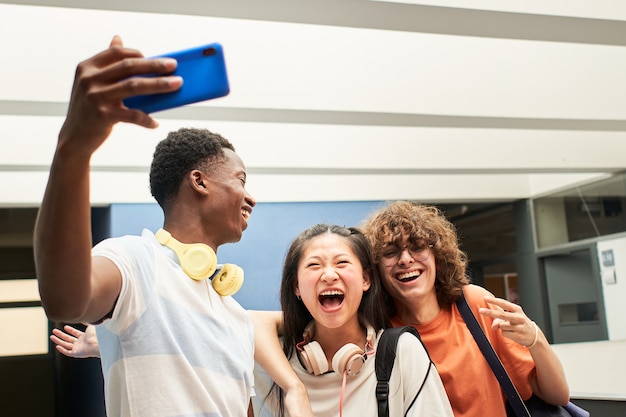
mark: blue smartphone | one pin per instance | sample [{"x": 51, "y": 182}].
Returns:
[{"x": 203, "y": 70}]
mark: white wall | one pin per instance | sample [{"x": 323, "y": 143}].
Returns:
[
  {"x": 595, "y": 370},
  {"x": 612, "y": 257}
]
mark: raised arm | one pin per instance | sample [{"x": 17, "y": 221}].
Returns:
[
  {"x": 73, "y": 287},
  {"x": 550, "y": 384},
  {"x": 268, "y": 353}
]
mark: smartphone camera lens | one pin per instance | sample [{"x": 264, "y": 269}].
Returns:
[{"x": 209, "y": 52}]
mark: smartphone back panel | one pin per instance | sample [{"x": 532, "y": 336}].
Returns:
[{"x": 203, "y": 70}]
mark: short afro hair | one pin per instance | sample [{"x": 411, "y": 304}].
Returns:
[{"x": 180, "y": 152}]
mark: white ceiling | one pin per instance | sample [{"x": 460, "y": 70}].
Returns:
[
  {"x": 597, "y": 9},
  {"x": 341, "y": 99}
]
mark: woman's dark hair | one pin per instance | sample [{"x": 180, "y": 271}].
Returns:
[
  {"x": 179, "y": 153},
  {"x": 296, "y": 316}
]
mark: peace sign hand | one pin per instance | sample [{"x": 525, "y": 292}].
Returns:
[{"x": 510, "y": 318}]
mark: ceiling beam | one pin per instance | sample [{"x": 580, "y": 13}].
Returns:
[{"x": 379, "y": 15}]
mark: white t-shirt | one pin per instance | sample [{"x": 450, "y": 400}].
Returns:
[
  {"x": 359, "y": 399},
  {"x": 173, "y": 346}
]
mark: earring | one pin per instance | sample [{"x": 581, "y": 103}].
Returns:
[{"x": 299, "y": 298}]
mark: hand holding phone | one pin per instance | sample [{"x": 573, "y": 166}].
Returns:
[{"x": 203, "y": 70}]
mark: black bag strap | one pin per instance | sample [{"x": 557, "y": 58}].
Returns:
[
  {"x": 385, "y": 358},
  {"x": 492, "y": 358}
]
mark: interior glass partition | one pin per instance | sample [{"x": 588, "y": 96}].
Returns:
[
  {"x": 584, "y": 212},
  {"x": 569, "y": 226}
]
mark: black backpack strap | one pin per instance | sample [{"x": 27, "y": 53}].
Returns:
[
  {"x": 492, "y": 358},
  {"x": 385, "y": 357}
]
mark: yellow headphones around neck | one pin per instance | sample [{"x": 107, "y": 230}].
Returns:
[{"x": 200, "y": 262}]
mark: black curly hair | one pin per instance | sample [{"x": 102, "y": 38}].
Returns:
[{"x": 180, "y": 152}]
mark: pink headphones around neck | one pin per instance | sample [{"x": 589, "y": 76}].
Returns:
[{"x": 349, "y": 359}]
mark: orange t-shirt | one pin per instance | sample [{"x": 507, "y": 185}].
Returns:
[{"x": 471, "y": 386}]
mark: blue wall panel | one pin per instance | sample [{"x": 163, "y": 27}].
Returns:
[{"x": 262, "y": 248}]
